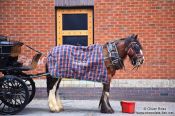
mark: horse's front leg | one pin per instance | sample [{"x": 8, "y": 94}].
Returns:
[
  {"x": 105, "y": 106},
  {"x": 54, "y": 101}
]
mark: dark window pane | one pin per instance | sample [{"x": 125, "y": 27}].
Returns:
[
  {"x": 75, "y": 22},
  {"x": 75, "y": 40}
]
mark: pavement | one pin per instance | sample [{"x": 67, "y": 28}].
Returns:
[{"x": 39, "y": 107}]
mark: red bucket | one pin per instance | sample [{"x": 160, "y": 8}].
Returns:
[{"x": 128, "y": 106}]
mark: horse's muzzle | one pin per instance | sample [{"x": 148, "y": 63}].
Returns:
[{"x": 139, "y": 61}]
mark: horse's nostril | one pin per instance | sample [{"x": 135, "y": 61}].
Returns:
[{"x": 141, "y": 61}]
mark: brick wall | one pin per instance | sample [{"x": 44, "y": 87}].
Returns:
[
  {"x": 30, "y": 21},
  {"x": 152, "y": 20},
  {"x": 33, "y": 22}
]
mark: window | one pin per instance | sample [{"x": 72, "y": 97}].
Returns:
[{"x": 75, "y": 26}]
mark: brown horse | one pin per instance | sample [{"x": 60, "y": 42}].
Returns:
[{"x": 114, "y": 54}]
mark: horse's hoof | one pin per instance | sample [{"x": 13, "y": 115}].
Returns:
[
  {"x": 106, "y": 108},
  {"x": 59, "y": 104},
  {"x": 56, "y": 110},
  {"x": 62, "y": 109},
  {"x": 112, "y": 111},
  {"x": 108, "y": 111},
  {"x": 54, "y": 107}
]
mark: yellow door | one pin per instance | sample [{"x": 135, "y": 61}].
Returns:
[{"x": 75, "y": 26}]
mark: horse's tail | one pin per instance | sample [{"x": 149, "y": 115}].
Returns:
[{"x": 48, "y": 79}]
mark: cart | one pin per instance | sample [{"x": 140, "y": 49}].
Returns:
[{"x": 17, "y": 88}]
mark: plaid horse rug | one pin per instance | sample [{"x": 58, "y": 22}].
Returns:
[{"x": 78, "y": 62}]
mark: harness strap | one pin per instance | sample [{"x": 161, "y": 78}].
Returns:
[{"x": 113, "y": 56}]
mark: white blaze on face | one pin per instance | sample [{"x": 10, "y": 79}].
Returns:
[{"x": 141, "y": 52}]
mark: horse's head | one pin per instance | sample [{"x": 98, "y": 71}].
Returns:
[{"x": 134, "y": 50}]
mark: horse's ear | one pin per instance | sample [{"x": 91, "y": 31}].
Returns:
[
  {"x": 136, "y": 36},
  {"x": 132, "y": 36}
]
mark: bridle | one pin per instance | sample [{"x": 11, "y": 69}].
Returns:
[
  {"x": 114, "y": 57},
  {"x": 132, "y": 52}
]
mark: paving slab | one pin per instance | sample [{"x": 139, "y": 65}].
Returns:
[{"x": 90, "y": 108}]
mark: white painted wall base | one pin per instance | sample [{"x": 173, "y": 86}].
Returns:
[{"x": 163, "y": 83}]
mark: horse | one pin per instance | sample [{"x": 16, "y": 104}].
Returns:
[{"x": 113, "y": 55}]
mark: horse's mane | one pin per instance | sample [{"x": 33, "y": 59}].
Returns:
[{"x": 128, "y": 40}]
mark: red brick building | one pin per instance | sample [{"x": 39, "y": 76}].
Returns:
[{"x": 36, "y": 23}]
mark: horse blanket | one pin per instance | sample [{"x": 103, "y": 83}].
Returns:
[{"x": 78, "y": 62}]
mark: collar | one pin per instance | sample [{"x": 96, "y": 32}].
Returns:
[{"x": 115, "y": 60}]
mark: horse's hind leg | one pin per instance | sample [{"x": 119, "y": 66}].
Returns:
[
  {"x": 105, "y": 106},
  {"x": 59, "y": 103},
  {"x": 52, "y": 86},
  {"x": 55, "y": 104}
]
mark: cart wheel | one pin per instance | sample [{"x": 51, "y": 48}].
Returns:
[
  {"x": 31, "y": 87},
  {"x": 14, "y": 95}
]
